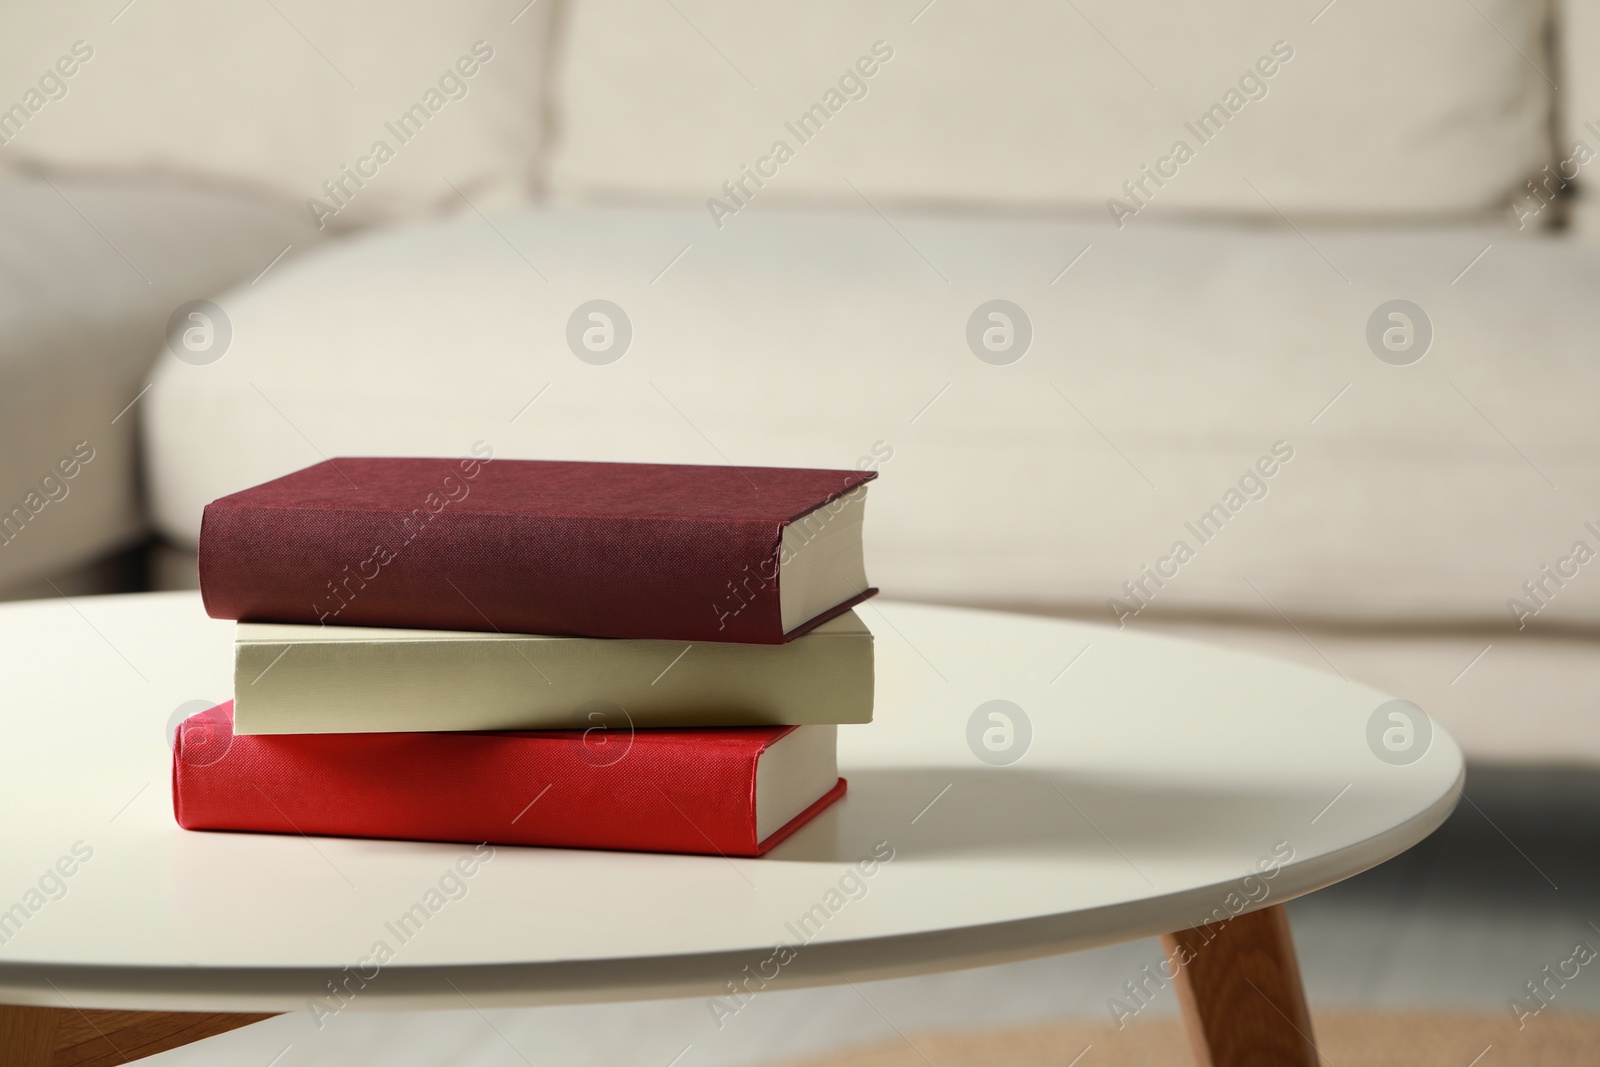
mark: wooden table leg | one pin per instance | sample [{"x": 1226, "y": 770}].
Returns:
[
  {"x": 1239, "y": 986},
  {"x": 27, "y": 1036},
  {"x": 67, "y": 1037}
]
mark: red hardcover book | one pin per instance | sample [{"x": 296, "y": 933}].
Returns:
[
  {"x": 644, "y": 550},
  {"x": 729, "y": 792}
]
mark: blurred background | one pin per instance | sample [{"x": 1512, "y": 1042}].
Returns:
[{"x": 1305, "y": 287}]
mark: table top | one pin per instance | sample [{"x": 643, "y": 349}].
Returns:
[{"x": 1029, "y": 787}]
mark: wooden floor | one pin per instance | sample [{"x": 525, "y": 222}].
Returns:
[{"x": 1359, "y": 1039}]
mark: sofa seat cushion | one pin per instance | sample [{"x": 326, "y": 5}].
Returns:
[
  {"x": 1517, "y": 699},
  {"x": 1219, "y": 389},
  {"x": 90, "y": 273}
]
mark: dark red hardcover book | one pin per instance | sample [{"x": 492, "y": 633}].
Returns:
[
  {"x": 689, "y": 791},
  {"x": 641, "y": 550}
]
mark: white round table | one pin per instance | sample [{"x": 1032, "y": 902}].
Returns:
[{"x": 1146, "y": 786}]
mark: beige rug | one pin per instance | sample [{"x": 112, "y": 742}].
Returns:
[{"x": 1345, "y": 1039}]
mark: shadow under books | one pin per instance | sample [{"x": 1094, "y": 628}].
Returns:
[{"x": 939, "y": 812}]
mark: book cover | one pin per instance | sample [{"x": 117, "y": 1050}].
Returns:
[
  {"x": 729, "y": 792},
  {"x": 355, "y": 679},
  {"x": 640, "y": 550}
]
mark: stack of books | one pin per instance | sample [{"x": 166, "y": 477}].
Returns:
[{"x": 589, "y": 655}]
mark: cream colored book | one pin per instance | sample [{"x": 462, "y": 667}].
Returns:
[{"x": 349, "y": 679}]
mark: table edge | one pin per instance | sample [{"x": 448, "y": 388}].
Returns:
[{"x": 445, "y": 986}]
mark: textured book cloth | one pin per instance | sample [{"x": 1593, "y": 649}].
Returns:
[
  {"x": 730, "y": 792},
  {"x": 637, "y": 550}
]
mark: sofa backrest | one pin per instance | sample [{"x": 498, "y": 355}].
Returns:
[
  {"x": 1349, "y": 108},
  {"x": 359, "y": 110}
]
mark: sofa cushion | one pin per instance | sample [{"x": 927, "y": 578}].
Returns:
[
  {"x": 1308, "y": 108},
  {"x": 1527, "y": 698},
  {"x": 355, "y": 111},
  {"x": 90, "y": 274},
  {"x": 1230, "y": 389}
]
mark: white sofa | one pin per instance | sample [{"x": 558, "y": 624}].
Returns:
[
  {"x": 92, "y": 269},
  {"x": 1188, "y": 335}
]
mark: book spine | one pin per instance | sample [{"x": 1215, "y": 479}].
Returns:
[
  {"x": 628, "y": 792},
  {"x": 638, "y": 577}
]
